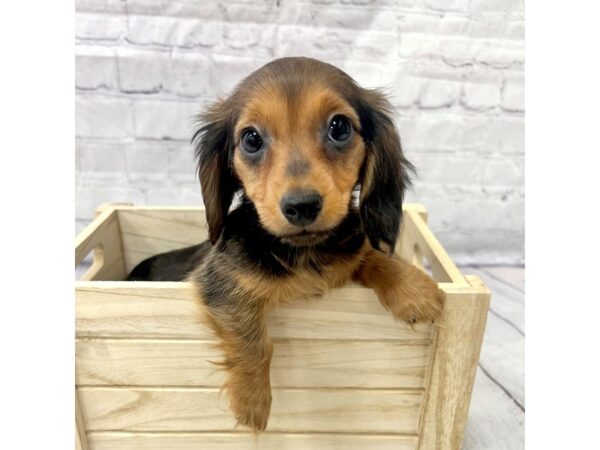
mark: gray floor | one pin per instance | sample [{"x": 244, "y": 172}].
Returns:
[{"x": 497, "y": 412}]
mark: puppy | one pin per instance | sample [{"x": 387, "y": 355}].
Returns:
[{"x": 295, "y": 139}]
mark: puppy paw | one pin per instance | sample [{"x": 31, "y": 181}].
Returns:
[
  {"x": 251, "y": 405},
  {"x": 417, "y": 299}
]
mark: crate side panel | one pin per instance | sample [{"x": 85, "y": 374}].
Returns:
[
  {"x": 293, "y": 410},
  {"x": 455, "y": 356},
  {"x": 102, "y": 237},
  {"x": 171, "y": 310},
  {"x": 148, "y": 232},
  {"x": 247, "y": 441},
  {"x": 296, "y": 363}
]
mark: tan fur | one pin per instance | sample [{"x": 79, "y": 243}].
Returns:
[
  {"x": 408, "y": 293},
  {"x": 293, "y": 131},
  {"x": 302, "y": 284},
  {"x": 293, "y": 127}
]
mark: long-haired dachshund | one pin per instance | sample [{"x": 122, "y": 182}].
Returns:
[{"x": 296, "y": 139}]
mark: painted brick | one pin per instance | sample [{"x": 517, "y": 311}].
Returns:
[
  {"x": 335, "y": 43},
  {"x": 442, "y": 169},
  {"x": 227, "y": 71},
  {"x": 438, "y": 94},
  {"x": 106, "y": 159},
  {"x": 464, "y": 213},
  {"x": 481, "y": 92},
  {"x": 258, "y": 12},
  {"x": 460, "y": 51},
  {"x": 174, "y": 8},
  {"x": 239, "y": 38},
  {"x": 103, "y": 117},
  {"x": 405, "y": 91},
  {"x": 174, "y": 32},
  {"x": 181, "y": 165},
  {"x": 461, "y": 26},
  {"x": 463, "y": 133},
  {"x": 503, "y": 172},
  {"x": 448, "y": 5},
  {"x": 188, "y": 196},
  {"x": 99, "y": 27},
  {"x": 168, "y": 120},
  {"x": 146, "y": 162},
  {"x": 140, "y": 71},
  {"x": 453, "y": 71},
  {"x": 187, "y": 74},
  {"x": 113, "y": 7},
  {"x": 504, "y": 7},
  {"x": 513, "y": 93},
  {"x": 95, "y": 68},
  {"x": 346, "y": 18}
]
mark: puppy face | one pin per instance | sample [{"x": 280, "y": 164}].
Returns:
[
  {"x": 297, "y": 136},
  {"x": 298, "y": 158}
]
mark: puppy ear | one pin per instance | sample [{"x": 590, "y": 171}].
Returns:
[
  {"x": 213, "y": 143},
  {"x": 385, "y": 173}
]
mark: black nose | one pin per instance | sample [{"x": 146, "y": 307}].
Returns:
[{"x": 301, "y": 208}]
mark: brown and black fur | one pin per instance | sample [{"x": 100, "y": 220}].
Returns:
[{"x": 256, "y": 258}]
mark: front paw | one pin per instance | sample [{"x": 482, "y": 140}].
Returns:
[
  {"x": 414, "y": 299},
  {"x": 251, "y": 404}
]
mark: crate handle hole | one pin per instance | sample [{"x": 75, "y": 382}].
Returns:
[
  {"x": 91, "y": 264},
  {"x": 420, "y": 260}
]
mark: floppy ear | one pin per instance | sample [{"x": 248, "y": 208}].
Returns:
[
  {"x": 385, "y": 173},
  {"x": 213, "y": 148}
]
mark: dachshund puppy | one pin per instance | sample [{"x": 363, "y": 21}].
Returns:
[{"x": 295, "y": 139}]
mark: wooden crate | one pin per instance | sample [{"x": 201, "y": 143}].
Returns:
[{"x": 345, "y": 375}]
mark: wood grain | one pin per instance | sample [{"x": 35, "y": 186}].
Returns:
[
  {"x": 171, "y": 310},
  {"x": 293, "y": 410},
  {"x": 103, "y": 237},
  {"x": 345, "y": 375},
  {"x": 246, "y": 441},
  {"x": 509, "y": 302},
  {"x": 81, "y": 442},
  {"x": 148, "y": 231},
  {"x": 419, "y": 242},
  {"x": 296, "y": 363},
  {"x": 456, "y": 346}
]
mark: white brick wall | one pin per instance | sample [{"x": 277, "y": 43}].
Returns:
[{"x": 453, "y": 69}]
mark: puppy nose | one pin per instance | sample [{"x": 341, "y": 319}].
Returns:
[{"x": 301, "y": 208}]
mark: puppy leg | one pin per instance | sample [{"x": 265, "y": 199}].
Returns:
[
  {"x": 247, "y": 353},
  {"x": 237, "y": 320},
  {"x": 407, "y": 292}
]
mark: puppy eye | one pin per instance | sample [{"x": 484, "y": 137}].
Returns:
[
  {"x": 251, "y": 141},
  {"x": 340, "y": 129}
]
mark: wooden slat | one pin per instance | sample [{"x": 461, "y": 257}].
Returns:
[
  {"x": 416, "y": 233},
  {"x": 246, "y": 441},
  {"x": 456, "y": 352},
  {"x": 149, "y": 231},
  {"x": 171, "y": 310},
  {"x": 296, "y": 363},
  {"x": 103, "y": 237},
  {"x": 405, "y": 246},
  {"x": 81, "y": 442},
  {"x": 293, "y": 410}
]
